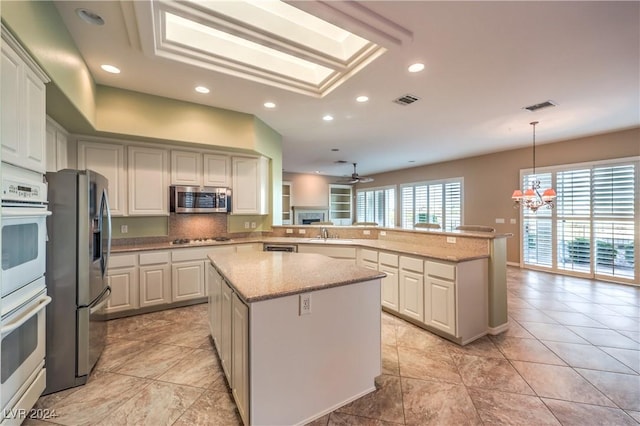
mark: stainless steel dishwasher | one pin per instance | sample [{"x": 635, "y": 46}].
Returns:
[{"x": 291, "y": 248}]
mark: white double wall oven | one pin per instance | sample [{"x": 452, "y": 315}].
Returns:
[{"x": 23, "y": 290}]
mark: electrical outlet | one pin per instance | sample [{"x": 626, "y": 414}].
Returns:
[
  {"x": 366, "y": 232},
  {"x": 253, "y": 225},
  {"x": 512, "y": 221},
  {"x": 451, "y": 240},
  {"x": 499, "y": 220},
  {"x": 305, "y": 304},
  {"x": 383, "y": 233},
  {"x": 289, "y": 231},
  {"x": 124, "y": 229},
  {"x": 302, "y": 231},
  {"x": 246, "y": 225}
]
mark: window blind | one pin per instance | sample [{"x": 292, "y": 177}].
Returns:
[
  {"x": 376, "y": 205},
  {"x": 593, "y": 225},
  {"x": 432, "y": 202}
]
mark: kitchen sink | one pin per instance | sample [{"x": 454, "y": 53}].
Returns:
[{"x": 329, "y": 240}]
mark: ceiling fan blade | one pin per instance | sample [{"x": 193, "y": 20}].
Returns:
[{"x": 363, "y": 179}]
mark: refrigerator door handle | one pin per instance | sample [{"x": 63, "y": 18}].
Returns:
[
  {"x": 94, "y": 302},
  {"x": 96, "y": 307},
  {"x": 105, "y": 203}
]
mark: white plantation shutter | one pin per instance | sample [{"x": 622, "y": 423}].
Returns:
[
  {"x": 593, "y": 225},
  {"x": 360, "y": 206},
  {"x": 537, "y": 228},
  {"x": 573, "y": 224},
  {"x": 377, "y": 205},
  {"x": 407, "y": 207},
  {"x": 432, "y": 202},
  {"x": 537, "y": 237},
  {"x": 453, "y": 205},
  {"x": 614, "y": 215}
]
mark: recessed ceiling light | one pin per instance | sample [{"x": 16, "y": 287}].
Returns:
[
  {"x": 269, "y": 105},
  {"x": 417, "y": 67},
  {"x": 362, "y": 99},
  {"x": 90, "y": 17},
  {"x": 110, "y": 68},
  {"x": 327, "y": 117},
  {"x": 202, "y": 89}
]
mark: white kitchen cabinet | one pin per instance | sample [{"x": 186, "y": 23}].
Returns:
[
  {"x": 456, "y": 298},
  {"x": 440, "y": 304},
  {"x": 226, "y": 317},
  {"x": 367, "y": 258},
  {"x": 23, "y": 113},
  {"x": 214, "y": 289},
  {"x": 108, "y": 160},
  {"x": 56, "y": 146},
  {"x": 187, "y": 280},
  {"x": 390, "y": 287},
  {"x": 240, "y": 356},
  {"x": 216, "y": 170},
  {"x": 148, "y": 170},
  {"x": 186, "y": 168},
  {"x": 122, "y": 277},
  {"x": 411, "y": 283},
  {"x": 155, "y": 278},
  {"x": 191, "y": 168},
  {"x": 250, "y": 182}
]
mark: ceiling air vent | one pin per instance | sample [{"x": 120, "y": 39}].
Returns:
[
  {"x": 541, "y": 105},
  {"x": 406, "y": 99}
]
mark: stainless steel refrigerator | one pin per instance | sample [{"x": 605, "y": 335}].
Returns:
[{"x": 78, "y": 248}]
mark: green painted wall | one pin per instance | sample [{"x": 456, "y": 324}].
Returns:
[{"x": 124, "y": 112}]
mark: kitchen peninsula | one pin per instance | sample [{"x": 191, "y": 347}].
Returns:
[{"x": 284, "y": 322}]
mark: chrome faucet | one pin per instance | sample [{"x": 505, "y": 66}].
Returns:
[{"x": 324, "y": 233}]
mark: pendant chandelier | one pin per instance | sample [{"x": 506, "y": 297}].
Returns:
[{"x": 531, "y": 197}]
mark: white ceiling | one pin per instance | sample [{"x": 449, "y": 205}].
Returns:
[{"x": 484, "y": 62}]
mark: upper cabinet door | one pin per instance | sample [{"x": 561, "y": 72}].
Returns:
[
  {"x": 11, "y": 81},
  {"x": 108, "y": 160},
  {"x": 186, "y": 168},
  {"x": 34, "y": 122},
  {"x": 23, "y": 114},
  {"x": 250, "y": 190},
  {"x": 216, "y": 170},
  {"x": 148, "y": 181}
]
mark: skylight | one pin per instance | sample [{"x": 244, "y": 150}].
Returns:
[{"x": 269, "y": 42}]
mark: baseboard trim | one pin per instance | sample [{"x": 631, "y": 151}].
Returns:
[
  {"x": 499, "y": 329},
  {"x": 517, "y": 265}
]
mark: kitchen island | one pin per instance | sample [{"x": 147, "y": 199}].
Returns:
[{"x": 298, "y": 335}]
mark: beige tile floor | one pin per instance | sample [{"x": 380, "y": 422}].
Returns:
[{"x": 571, "y": 356}]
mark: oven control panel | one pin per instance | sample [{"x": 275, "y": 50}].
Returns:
[{"x": 23, "y": 191}]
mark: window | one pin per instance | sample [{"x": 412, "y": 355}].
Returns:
[
  {"x": 432, "y": 202},
  {"x": 377, "y": 205},
  {"x": 592, "y": 230}
]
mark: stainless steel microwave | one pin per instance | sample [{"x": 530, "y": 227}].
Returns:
[{"x": 203, "y": 199}]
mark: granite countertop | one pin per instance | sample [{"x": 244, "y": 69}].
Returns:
[
  {"x": 259, "y": 276},
  {"x": 451, "y": 254}
]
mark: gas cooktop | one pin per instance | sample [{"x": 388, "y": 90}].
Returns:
[{"x": 203, "y": 240}]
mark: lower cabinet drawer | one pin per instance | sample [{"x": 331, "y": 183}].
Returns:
[
  {"x": 155, "y": 257},
  {"x": 442, "y": 270},
  {"x": 388, "y": 259},
  {"x": 411, "y": 264}
]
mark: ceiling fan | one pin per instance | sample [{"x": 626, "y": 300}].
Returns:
[{"x": 356, "y": 178}]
